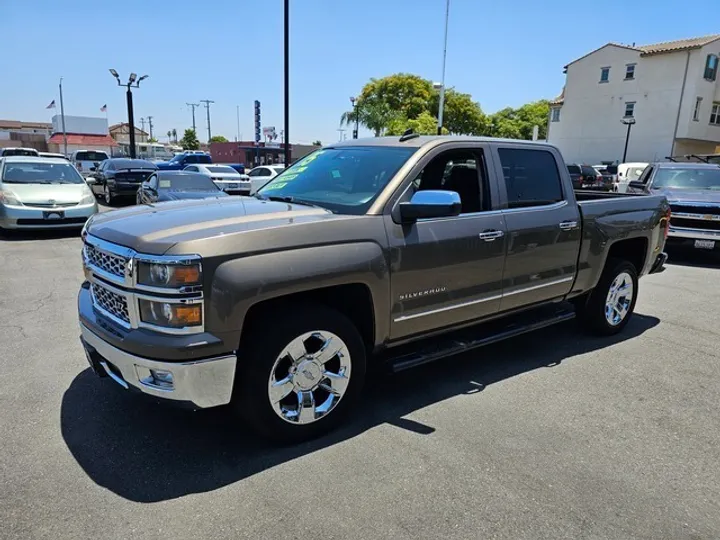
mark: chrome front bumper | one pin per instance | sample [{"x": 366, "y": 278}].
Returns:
[
  {"x": 693, "y": 234},
  {"x": 29, "y": 217},
  {"x": 201, "y": 383}
]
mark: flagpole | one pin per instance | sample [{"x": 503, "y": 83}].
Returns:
[{"x": 62, "y": 114}]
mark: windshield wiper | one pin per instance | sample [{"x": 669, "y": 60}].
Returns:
[{"x": 287, "y": 199}]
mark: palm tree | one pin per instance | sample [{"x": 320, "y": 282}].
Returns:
[
  {"x": 174, "y": 134},
  {"x": 374, "y": 115},
  {"x": 169, "y": 134}
]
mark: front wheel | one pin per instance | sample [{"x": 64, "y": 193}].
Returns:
[
  {"x": 299, "y": 373},
  {"x": 611, "y": 303}
]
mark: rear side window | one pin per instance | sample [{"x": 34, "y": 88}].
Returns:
[
  {"x": 204, "y": 159},
  {"x": 531, "y": 177},
  {"x": 91, "y": 156},
  {"x": 589, "y": 171},
  {"x": 573, "y": 169}
]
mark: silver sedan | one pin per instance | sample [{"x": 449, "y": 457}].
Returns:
[
  {"x": 224, "y": 177},
  {"x": 43, "y": 193}
]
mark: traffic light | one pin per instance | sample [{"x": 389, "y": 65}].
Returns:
[{"x": 257, "y": 121}]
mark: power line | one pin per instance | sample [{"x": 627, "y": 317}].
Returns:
[
  {"x": 193, "y": 105},
  {"x": 207, "y": 103}
]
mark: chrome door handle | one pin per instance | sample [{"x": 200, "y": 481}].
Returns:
[
  {"x": 489, "y": 236},
  {"x": 568, "y": 225}
]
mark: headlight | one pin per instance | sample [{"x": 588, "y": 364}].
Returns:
[
  {"x": 169, "y": 275},
  {"x": 84, "y": 231},
  {"x": 88, "y": 198},
  {"x": 8, "y": 197},
  {"x": 170, "y": 315}
]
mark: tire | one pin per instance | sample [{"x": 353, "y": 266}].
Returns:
[
  {"x": 260, "y": 364},
  {"x": 108, "y": 196},
  {"x": 592, "y": 311}
]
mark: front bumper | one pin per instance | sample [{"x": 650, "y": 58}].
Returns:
[
  {"x": 199, "y": 383},
  {"x": 29, "y": 217}
]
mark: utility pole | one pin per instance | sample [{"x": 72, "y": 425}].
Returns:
[
  {"x": 149, "y": 119},
  {"x": 442, "y": 82},
  {"x": 193, "y": 105},
  {"x": 142, "y": 123},
  {"x": 237, "y": 136},
  {"x": 62, "y": 116},
  {"x": 207, "y": 103}
]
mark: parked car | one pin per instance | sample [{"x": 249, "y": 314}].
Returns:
[
  {"x": 177, "y": 185},
  {"x": 180, "y": 161},
  {"x": 53, "y": 155},
  {"x": 586, "y": 177},
  {"x": 225, "y": 178},
  {"x": 239, "y": 167},
  {"x": 259, "y": 176},
  {"x": 119, "y": 177},
  {"x": 629, "y": 172},
  {"x": 40, "y": 193},
  {"x": 609, "y": 176},
  {"x": 87, "y": 161},
  {"x": 7, "y": 152},
  {"x": 366, "y": 251},
  {"x": 693, "y": 190}
]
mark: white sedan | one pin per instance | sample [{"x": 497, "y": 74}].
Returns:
[
  {"x": 263, "y": 174},
  {"x": 224, "y": 177}
]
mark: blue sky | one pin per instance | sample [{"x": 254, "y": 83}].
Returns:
[{"x": 504, "y": 54}]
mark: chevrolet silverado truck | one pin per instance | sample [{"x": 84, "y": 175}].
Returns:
[
  {"x": 393, "y": 251},
  {"x": 693, "y": 191}
]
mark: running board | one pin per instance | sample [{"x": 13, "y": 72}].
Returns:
[{"x": 479, "y": 336}]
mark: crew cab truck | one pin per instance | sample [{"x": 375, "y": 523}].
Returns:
[
  {"x": 180, "y": 161},
  {"x": 393, "y": 250}
]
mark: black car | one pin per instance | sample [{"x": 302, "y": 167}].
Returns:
[
  {"x": 119, "y": 177},
  {"x": 177, "y": 185},
  {"x": 585, "y": 177}
]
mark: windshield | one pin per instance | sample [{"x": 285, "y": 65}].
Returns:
[
  {"x": 633, "y": 173},
  {"x": 91, "y": 156},
  {"x": 573, "y": 169},
  {"x": 346, "y": 179},
  {"x": 700, "y": 179},
  {"x": 41, "y": 173},
  {"x": 611, "y": 169},
  {"x": 187, "y": 182},
  {"x": 222, "y": 169},
  {"x": 19, "y": 152}
]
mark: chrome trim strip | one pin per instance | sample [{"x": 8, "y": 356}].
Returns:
[
  {"x": 541, "y": 208},
  {"x": 113, "y": 376},
  {"x": 481, "y": 300},
  {"x": 109, "y": 315},
  {"x": 701, "y": 217},
  {"x": 448, "y": 308},
  {"x": 699, "y": 234},
  {"x": 540, "y": 286}
]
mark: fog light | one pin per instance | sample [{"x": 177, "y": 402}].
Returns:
[{"x": 162, "y": 378}]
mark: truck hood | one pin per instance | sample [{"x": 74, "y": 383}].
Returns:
[
  {"x": 689, "y": 195},
  {"x": 155, "y": 228}
]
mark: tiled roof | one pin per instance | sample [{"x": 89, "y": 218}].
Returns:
[
  {"x": 560, "y": 99},
  {"x": 678, "y": 45},
  {"x": 83, "y": 140},
  {"x": 125, "y": 125},
  {"x": 16, "y": 124}
]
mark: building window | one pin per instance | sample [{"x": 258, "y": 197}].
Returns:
[
  {"x": 629, "y": 72},
  {"x": 604, "y": 74},
  {"x": 715, "y": 114},
  {"x": 696, "y": 110},
  {"x": 630, "y": 109},
  {"x": 555, "y": 114},
  {"x": 711, "y": 67}
]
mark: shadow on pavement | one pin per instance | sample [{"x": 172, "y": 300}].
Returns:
[
  {"x": 38, "y": 234},
  {"x": 148, "y": 452},
  {"x": 695, "y": 258}
]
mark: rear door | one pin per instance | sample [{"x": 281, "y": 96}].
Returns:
[
  {"x": 447, "y": 271},
  {"x": 543, "y": 227}
]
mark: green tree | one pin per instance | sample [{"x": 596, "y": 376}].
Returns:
[
  {"x": 424, "y": 124},
  {"x": 190, "y": 140},
  {"x": 218, "y": 138},
  {"x": 152, "y": 140},
  {"x": 169, "y": 135},
  {"x": 174, "y": 134},
  {"x": 532, "y": 114},
  {"x": 375, "y": 115},
  {"x": 317, "y": 143},
  {"x": 461, "y": 115}
]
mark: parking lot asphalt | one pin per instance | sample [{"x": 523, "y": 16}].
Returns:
[{"x": 555, "y": 435}]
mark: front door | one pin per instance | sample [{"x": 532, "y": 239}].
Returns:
[
  {"x": 447, "y": 271},
  {"x": 543, "y": 227}
]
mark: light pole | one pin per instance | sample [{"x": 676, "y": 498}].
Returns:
[
  {"x": 442, "y": 82},
  {"x": 286, "y": 33},
  {"x": 629, "y": 123},
  {"x": 355, "y": 102},
  {"x": 131, "y": 120}
]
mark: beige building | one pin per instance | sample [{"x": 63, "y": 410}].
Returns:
[
  {"x": 121, "y": 133},
  {"x": 15, "y": 133}
]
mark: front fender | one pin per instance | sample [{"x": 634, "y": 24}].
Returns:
[{"x": 241, "y": 283}]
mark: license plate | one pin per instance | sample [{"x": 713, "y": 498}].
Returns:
[
  {"x": 53, "y": 215},
  {"x": 232, "y": 186},
  {"x": 705, "y": 244}
]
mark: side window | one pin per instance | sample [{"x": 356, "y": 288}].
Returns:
[
  {"x": 191, "y": 168},
  {"x": 190, "y": 159},
  {"x": 461, "y": 171},
  {"x": 645, "y": 176},
  {"x": 531, "y": 177},
  {"x": 264, "y": 172}
]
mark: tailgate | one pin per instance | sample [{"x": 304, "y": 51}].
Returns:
[{"x": 135, "y": 176}]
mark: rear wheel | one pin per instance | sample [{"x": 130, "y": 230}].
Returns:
[
  {"x": 610, "y": 305},
  {"x": 299, "y": 373},
  {"x": 108, "y": 196}
]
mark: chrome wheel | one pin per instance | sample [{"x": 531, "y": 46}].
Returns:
[
  {"x": 619, "y": 299},
  {"x": 309, "y": 377},
  {"x": 108, "y": 195}
]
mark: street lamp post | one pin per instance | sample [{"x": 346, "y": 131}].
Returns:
[
  {"x": 355, "y": 102},
  {"x": 286, "y": 74},
  {"x": 133, "y": 82},
  {"x": 442, "y": 82},
  {"x": 629, "y": 123}
]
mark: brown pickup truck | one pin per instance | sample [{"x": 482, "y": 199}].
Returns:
[{"x": 394, "y": 250}]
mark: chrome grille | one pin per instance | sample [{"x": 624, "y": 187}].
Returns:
[
  {"x": 50, "y": 205},
  {"x": 111, "y": 302},
  {"x": 112, "y": 264}
]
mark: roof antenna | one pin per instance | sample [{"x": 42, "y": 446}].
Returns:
[{"x": 409, "y": 134}]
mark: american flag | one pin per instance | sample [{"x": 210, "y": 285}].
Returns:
[
  {"x": 52, "y": 105},
  {"x": 103, "y": 108}
]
